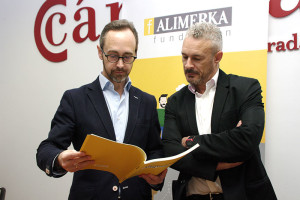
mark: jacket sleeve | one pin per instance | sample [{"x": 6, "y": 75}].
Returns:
[
  {"x": 154, "y": 144},
  {"x": 59, "y": 137},
  {"x": 172, "y": 135},
  {"x": 231, "y": 143}
]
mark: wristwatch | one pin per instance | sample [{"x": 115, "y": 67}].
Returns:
[{"x": 190, "y": 141}]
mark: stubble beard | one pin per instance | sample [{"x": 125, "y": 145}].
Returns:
[
  {"x": 193, "y": 81},
  {"x": 118, "y": 78}
]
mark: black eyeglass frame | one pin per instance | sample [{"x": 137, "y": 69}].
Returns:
[{"x": 107, "y": 55}]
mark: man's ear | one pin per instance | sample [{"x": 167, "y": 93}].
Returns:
[
  {"x": 100, "y": 53},
  {"x": 218, "y": 56}
]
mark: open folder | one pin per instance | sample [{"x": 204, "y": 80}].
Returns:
[{"x": 125, "y": 160}]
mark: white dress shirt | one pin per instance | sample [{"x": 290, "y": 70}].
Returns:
[
  {"x": 118, "y": 106},
  {"x": 204, "y": 106}
]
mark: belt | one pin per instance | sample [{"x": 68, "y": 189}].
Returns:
[{"x": 210, "y": 196}]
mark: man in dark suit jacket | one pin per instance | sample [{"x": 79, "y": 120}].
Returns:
[
  {"x": 109, "y": 107},
  {"x": 225, "y": 115}
]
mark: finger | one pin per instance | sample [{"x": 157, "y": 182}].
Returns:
[
  {"x": 82, "y": 159},
  {"x": 67, "y": 157},
  {"x": 72, "y": 154},
  {"x": 236, "y": 164},
  {"x": 222, "y": 165},
  {"x": 147, "y": 178},
  {"x": 71, "y": 167},
  {"x": 183, "y": 141},
  {"x": 153, "y": 179},
  {"x": 163, "y": 174},
  {"x": 75, "y": 167},
  {"x": 81, "y": 162},
  {"x": 83, "y": 165},
  {"x": 239, "y": 123}
]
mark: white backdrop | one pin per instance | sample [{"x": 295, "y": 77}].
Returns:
[
  {"x": 31, "y": 88},
  {"x": 240, "y": 31},
  {"x": 282, "y": 133}
]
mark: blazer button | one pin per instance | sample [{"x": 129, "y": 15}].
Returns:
[{"x": 115, "y": 188}]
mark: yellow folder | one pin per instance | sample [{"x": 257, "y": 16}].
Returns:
[{"x": 124, "y": 160}]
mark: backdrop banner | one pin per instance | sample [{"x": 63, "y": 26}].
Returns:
[{"x": 162, "y": 25}]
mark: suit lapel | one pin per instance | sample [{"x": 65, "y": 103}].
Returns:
[
  {"x": 96, "y": 96},
  {"x": 219, "y": 101},
  {"x": 189, "y": 101},
  {"x": 134, "y": 103}
]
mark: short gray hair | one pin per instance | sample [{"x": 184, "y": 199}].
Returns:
[{"x": 207, "y": 31}]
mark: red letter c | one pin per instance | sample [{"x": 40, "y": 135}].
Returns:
[
  {"x": 276, "y": 11},
  {"x": 54, "y": 57}
]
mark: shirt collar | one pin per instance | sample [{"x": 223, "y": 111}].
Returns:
[
  {"x": 105, "y": 83},
  {"x": 210, "y": 84}
]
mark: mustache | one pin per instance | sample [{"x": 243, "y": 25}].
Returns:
[
  {"x": 119, "y": 70},
  {"x": 190, "y": 71}
]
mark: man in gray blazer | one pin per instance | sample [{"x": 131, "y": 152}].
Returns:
[
  {"x": 109, "y": 107},
  {"x": 225, "y": 115}
]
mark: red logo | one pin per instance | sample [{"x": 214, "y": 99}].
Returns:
[
  {"x": 91, "y": 24},
  {"x": 276, "y": 11}
]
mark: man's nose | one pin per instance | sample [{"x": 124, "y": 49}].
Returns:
[
  {"x": 188, "y": 63},
  {"x": 120, "y": 62}
]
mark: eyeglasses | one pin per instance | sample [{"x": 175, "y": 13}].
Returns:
[{"x": 115, "y": 58}]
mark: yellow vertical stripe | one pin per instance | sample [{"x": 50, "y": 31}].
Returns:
[{"x": 149, "y": 26}]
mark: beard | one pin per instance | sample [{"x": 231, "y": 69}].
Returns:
[
  {"x": 116, "y": 77},
  {"x": 193, "y": 81}
]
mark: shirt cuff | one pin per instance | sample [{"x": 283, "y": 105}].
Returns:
[{"x": 57, "y": 170}]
